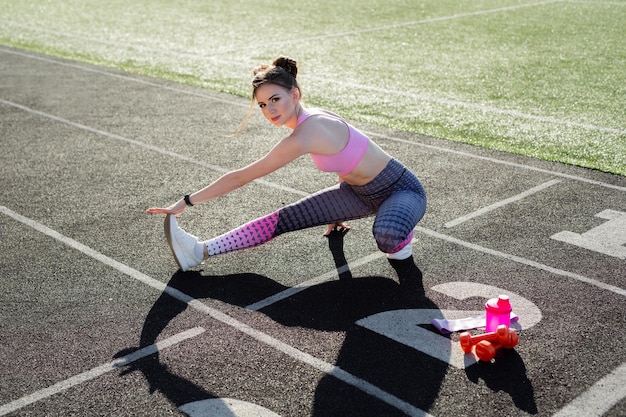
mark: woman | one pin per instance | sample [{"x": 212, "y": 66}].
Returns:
[{"x": 371, "y": 182}]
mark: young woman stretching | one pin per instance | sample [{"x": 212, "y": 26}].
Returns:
[{"x": 371, "y": 182}]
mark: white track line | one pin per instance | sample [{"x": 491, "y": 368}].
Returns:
[
  {"x": 498, "y": 161},
  {"x": 600, "y": 398},
  {"x": 230, "y": 50},
  {"x": 315, "y": 281},
  {"x": 292, "y": 190},
  {"x": 146, "y": 146},
  {"x": 323, "y": 366},
  {"x": 289, "y": 350},
  {"x": 313, "y": 361},
  {"x": 98, "y": 371},
  {"x": 501, "y": 203},
  {"x": 302, "y": 193},
  {"x": 125, "y": 76},
  {"x": 596, "y": 3},
  {"x": 299, "y": 192},
  {"x": 385, "y": 28},
  {"x": 575, "y": 406},
  {"x": 366, "y": 259},
  {"x": 480, "y": 107},
  {"x": 422, "y": 97},
  {"x": 523, "y": 261}
]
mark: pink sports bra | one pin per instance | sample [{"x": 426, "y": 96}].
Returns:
[{"x": 344, "y": 161}]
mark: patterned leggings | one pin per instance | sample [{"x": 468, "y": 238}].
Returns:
[{"x": 395, "y": 196}]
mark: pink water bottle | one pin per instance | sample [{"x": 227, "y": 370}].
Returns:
[{"x": 498, "y": 312}]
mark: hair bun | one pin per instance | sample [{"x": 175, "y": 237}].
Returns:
[
  {"x": 260, "y": 69},
  {"x": 288, "y": 64}
]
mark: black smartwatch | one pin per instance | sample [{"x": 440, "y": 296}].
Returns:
[{"x": 187, "y": 201}]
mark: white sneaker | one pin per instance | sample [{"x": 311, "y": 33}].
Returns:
[
  {"x": 403, "y": 253},
  {"x": 183, "y": 244}
]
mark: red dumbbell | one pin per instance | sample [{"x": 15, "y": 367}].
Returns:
[
  {"x": 486, "y": 350},
  {"x": 502, "y": 336}
]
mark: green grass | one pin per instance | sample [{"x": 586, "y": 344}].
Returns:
[{"x": 543, "y": 79}]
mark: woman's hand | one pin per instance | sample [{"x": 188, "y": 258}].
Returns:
[
  {"x": 175, "y": 209},
  {"x": 340, "y": 227}
]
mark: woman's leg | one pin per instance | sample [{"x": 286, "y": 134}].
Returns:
[
  {"x": 397, "y": 215},
  {"x": 331, "y": 205},
  {"x": 396, "y": 218}
]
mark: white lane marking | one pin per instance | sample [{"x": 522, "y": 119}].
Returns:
[
  {"x": 501, "y": 203},
  {"x": 600, "y": 398},
  {"x": 230, "y": 50},
  {"x": 381, "y": 28},
  {"x": 126, "y": 77},
  {"x": 497, "y": 161},
  {"x": 477, "y": 106},
  {"x": 596, "y": 3},
  {"x": 315, "y": 281},
  {"x": 98, "y": 371},
  {"x": 289, "y": 350},
  {"x": 470, "y": 155},
  {"x": 523, "y": 261},
  {"x": 431, "y": 20},
  {"x": 146, "y": 146},
  {"x": 345, "y": 84},
  {"x": 291, "y": 190},
  {"x": 302, "y": 193}
]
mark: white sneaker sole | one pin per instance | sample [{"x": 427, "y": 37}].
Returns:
[{"x": 170, "y": 225}]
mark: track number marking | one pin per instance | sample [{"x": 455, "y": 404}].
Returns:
[
  {"x": 608, "y": 238},
  {"x": 403, "y": 326},
  {"x": 225, "y": 407}
]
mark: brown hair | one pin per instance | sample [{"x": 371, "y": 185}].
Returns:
[{"x": 283, "y": 72}]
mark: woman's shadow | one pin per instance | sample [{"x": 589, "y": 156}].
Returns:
[{"x": 405, "y": 373}]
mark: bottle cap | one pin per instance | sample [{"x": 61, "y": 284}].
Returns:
[{"x": 501, "y": 305}]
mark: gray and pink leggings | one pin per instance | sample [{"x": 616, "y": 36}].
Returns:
[{"x": 395, "y": 196}]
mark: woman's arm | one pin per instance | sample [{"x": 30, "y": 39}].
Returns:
[
  {"x": 280, "y": 155},
  {"x": 283, "y": 153}
]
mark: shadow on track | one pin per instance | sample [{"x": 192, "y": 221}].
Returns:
[
  {"x": 507, "y": 374},
  {"x": 176, "y": 389},
  {"x": 335, "y": 306}
]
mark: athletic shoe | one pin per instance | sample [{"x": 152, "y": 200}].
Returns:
[
  {"x": 183, "y": 244},
  {"x": 403, "y": 253}
]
